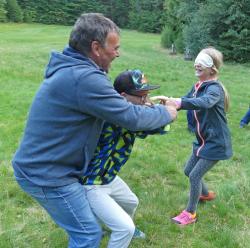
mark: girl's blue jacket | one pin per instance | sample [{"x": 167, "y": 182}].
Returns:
[{"x": 211, "y": 129}]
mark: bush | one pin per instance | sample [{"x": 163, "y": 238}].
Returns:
[
  {"x": 149, "y": 22},
  {"x": 167, "y": 37},
  {"x": 29, "y": 16},
  {"x": 179, "y": 43}
]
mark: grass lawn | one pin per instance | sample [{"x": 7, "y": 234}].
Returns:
[{"x": 155, "y": 170}]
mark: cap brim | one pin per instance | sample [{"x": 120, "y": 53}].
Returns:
[{"x": 146, "y": 88}]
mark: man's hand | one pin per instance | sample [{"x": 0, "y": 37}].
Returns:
[{"x": 172, "y": 111}]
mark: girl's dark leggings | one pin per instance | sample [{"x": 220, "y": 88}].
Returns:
[{"x": 195, "y": 169}]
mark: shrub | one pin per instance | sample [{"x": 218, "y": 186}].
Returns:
[
  {"x": 179, "y": 43},
  {"x": 29, "y": 16},
  {"x": 167, "y": 37}
]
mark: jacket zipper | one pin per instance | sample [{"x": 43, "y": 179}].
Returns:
[{"x": 197, "y": 87}]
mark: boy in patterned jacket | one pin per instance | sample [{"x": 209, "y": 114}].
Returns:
[{"x": 110, "y": 198}]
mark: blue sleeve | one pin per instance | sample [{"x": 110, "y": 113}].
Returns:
[
  {"x": 97, "y": 97},
  {"x": 206, "y": 101}
]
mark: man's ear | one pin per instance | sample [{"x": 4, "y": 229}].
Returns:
[
  {"x": 123, "y": 94},
  {"x": 95, "y": 47}
]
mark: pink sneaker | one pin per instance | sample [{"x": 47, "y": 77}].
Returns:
[{"x": 184, "y": 218}]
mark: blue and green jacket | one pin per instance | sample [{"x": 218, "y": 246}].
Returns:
[{"x": 112, "y": 152}]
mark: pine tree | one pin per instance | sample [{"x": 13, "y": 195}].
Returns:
[
  {"x": 117, "y": 10},
  {"x": 14, "y": 12},
  {"x": 3, "y": 11},
  {"x": 29, "y": 10},
  {"x": 146, "y": 15},
  {"x": 223, "y": 24},
  {"x": 234, "y": 41}
]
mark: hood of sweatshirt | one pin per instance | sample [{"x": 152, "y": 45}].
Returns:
[{"x": 69, "y": 57}]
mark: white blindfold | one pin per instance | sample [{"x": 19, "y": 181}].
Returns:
[{"x": 204, "y": 60}]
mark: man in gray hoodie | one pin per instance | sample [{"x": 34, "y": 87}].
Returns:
[{"x": 65, "y": 121}]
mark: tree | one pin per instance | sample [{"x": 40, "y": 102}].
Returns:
[
  {"x": 235, "y": 40},
  {"x": 74, "y": 9},
  {"x": 3, "y": 11},
  {"x": 171, "y": 33},
  {"x": 14, "y": 12},
  {"x": 197, "y": 33},
  {"x": 146, "y": 15},
  {"x": 223, "y": 24},
  {"x": 29, "y": 10},
  {"x": 118, "y": 11}
]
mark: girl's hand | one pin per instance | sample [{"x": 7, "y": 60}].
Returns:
[{"x": 177, "y": 102}]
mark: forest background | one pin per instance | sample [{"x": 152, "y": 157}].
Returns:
[{"x": 189, "y": 25}]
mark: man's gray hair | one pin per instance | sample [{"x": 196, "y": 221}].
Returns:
[{"x": 88, "y": 28}]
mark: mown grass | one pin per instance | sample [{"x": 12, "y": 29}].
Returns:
[{"x": 155, "y": 170}]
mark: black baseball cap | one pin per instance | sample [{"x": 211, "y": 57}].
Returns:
[{"x": 132, "y": 81}]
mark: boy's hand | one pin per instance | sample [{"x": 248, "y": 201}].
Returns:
[
  {"x": 168, "y": 101},
  {"x": 160, "y": 99}
]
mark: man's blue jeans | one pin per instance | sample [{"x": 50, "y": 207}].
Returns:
[{"x": 69, "y": 208}]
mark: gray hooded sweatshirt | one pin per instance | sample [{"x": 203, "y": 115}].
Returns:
[{"x": 66, "y": 118}]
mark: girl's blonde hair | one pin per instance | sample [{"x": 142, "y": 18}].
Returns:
[{"x": 217, "y": 57}]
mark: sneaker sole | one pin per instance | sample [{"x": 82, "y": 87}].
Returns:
[
  {"x": 182, "y": 225},
  {"x": 205, "y": 200}
]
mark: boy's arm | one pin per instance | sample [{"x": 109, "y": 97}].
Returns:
[{"x": 160, "y": 131}]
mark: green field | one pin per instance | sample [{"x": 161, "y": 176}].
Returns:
[{"x": 155, "y": 170}]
